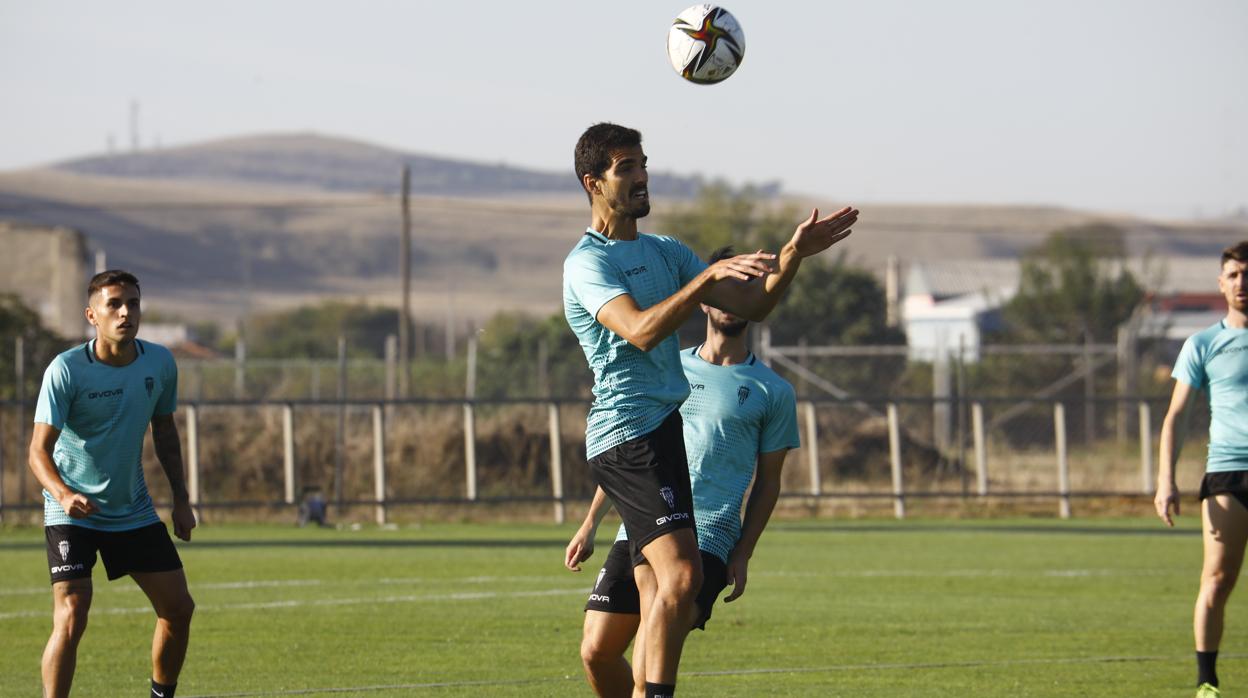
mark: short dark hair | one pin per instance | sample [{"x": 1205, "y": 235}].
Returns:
[
  {"x": 722, "y": 253},
  {"x": 1237, "y": 252},
  {"x": 112, "y": 277},
  {"x": 593, "y": 149}
]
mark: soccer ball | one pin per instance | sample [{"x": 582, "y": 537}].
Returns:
[{"x": 705, "y": 44}]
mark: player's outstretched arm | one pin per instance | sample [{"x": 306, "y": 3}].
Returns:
[
  {"x": 644, "y": 329},
  {"x": 762, "y": 502},
  {"x": 169, "y": 452},
  {"x": 42, "y": 442},
  {"x": 582, "y": 544},
  {"x": 754, "y": 301},
  {"x": 1173, "y": 434}
]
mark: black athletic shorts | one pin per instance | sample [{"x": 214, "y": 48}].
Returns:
[
  {"x": 647, "y": 479},
  {"x": 1232, "y": 482},
  {"x": 616, "y": 590},
  {"x": 71, "y": 551}
]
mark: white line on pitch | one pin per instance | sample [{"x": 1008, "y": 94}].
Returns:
[
  {"x": 253, "y": 584},
  {"x": 366, "y": 600},
  {"x": 834, "y": 668}
]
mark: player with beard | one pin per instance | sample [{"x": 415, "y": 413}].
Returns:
[
  {"x": 1216, "y": 360},
  {"x": 624, "y": 295},
  {"x": 94, "y": 409},
  {"x": 739, "y": 423}
]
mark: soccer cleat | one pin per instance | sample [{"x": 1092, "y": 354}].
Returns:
[{"x": 1208, "y": 690}]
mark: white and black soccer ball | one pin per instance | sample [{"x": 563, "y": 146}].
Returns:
[{"x": 705, "y": 44}]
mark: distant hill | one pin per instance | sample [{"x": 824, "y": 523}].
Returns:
[{"x": 341, "y": 165}]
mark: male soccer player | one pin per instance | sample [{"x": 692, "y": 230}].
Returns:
[
  {"x": 739, "y": 414},
  {"x": 624, "y": 295},
  {"x": 94, "y": 407},
  {"x": 1214, "y": 359}
]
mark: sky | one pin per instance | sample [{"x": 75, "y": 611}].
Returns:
[{"x": 1123, "y": 106}]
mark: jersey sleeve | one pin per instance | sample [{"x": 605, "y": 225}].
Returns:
[
  {"x": 780, "y": 429},
  {"x": 168, "y": 402},
  {"x": 1189, "y": 368},
  {"x": 592, "y": 281},
  {"x": 55, "y": 395},
  {"x": 687, "y": 263}
]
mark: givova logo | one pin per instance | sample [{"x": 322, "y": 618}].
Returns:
[
  {"x": 105, "y": 393},
  {"x": 67, "y": 568}
]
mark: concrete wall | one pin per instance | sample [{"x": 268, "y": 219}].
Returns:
[{"x": 47, "y": 268}]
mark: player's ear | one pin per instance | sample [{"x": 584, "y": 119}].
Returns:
[
  {"x": 592, "y": 184},
  {"x": 90, "y": 314}
]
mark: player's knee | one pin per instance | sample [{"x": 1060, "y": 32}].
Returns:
[
  {"x": 71, "y": 615},
  {"x": 179, "y": 611},
  {"x": 593, "y": 654},
  {"x": 1218, "y": 585},
  {"x": 684, "y": 583}
]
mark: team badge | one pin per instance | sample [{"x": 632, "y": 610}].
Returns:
[
  {"x": 601, "y": 573},
  {"x": 149, "y": 383},
  {"x": 63, "y": 547},
  {"x": 743, "y": 394},
  {"x": 666, "y": 493}
]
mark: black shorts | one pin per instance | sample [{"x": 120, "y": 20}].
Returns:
[
  {"x": 1232, "y": 482},
  {"x": 616, "y": 589},
  {"x": 647, "y": 479},
  {"x": 71, "y": 551}
]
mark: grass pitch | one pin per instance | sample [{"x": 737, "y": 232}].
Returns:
[{"x": 833, "y": 608}]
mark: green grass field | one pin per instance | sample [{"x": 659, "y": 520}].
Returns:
[{"x": 834, "y": 608}]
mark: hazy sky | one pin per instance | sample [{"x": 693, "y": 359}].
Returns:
[{"x": 1122, "y": 105}]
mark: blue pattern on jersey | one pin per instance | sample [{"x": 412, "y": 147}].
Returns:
[
  {"x": 102, "y": 412},
  {"x": 1216, "y": 359},
  {"x": 634, "y": 391},
  {"x": 733, "y": 414}
]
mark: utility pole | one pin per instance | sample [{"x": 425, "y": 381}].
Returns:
[{"x": 405, "y": 270}]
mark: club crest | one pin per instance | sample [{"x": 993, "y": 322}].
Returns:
[
  {"x": 63, "y": 548},
  {"x": 601, "y": 573},
  {"x": 743, "y": 394},
  {"x": 149, "y": 383},
  {"x": 666, "y": 493}
]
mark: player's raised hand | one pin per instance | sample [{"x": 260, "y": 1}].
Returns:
[
  {"x": 743, "y": 267},
  {"x": 738, "y": 566},
  {"x": 78, "y": 506},
  {"x": 815, "y": 234},
  {"x": 579, "y": 549},
  {"x": 1167, "y": 497}
]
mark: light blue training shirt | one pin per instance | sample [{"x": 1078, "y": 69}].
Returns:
[
  {"x": 102, "y": 412},
  {"x": 1216, "y": 359},
  {"x": 634, "y": 390},
  {"x": 733, "y": 414}
]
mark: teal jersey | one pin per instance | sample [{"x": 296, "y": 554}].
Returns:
[
  {"x": 733, "y": 414},
  {"x": 1216, "y": 359},
  {"x": 634, "y": 390},
  {"x": 102, "y": 412}
]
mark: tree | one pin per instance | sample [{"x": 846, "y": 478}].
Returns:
[
  {"x": 1071, "y": 289},
  {"x": 39, "y": 345}
]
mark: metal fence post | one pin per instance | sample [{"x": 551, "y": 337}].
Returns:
[
  {"x": 379, "y": 463},
  {"x": 288, "y": 451},
  {"x": 981, "y": 452},
  {"x": 1063, "y": 464},
  {"x": 192, "y": 453},
  {"x": 1146, "y": 449},
  {"x": 340, "y": 436},
  {"x": 470, "y": 423},
  {"x": 812, "y": 450},
  {"x": 19, "y": 392},
  {"x": 894, "y": 453},
  {"x": 556, "y": 462}
]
